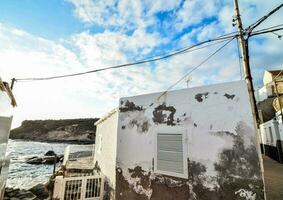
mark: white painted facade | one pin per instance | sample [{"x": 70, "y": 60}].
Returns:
[
  {"x": 265, "y": 92},
  {"x": 208, "y": 119},
  {"x": 106, "y": 145},
  {"x": 215, "y": 113},
  {"x": 270, "y": 132}
]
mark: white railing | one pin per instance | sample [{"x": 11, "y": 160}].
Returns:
[{"x": 79, "y": 188}]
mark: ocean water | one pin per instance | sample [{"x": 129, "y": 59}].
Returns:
[{"x": 23, "y": 175}]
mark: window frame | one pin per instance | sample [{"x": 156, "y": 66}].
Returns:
[{"x": 170, "y": 131}]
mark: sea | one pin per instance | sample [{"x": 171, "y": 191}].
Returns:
[{"x": 23, "y": 175}]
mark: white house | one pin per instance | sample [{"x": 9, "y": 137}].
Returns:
[
  {"x": 195, "y": 143},
  {"x": 7, "y": 101},
  {"x": 268, "y": 88},
  {"x": 272, "y": 138}
]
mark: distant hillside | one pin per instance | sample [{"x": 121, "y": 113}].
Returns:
[{"x": 64, "y": 130}]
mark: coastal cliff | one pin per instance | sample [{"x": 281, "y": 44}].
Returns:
[{"x": 64, "y": 130}]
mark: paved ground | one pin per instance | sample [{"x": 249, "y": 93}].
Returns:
[{"x": 273, "y": 174}]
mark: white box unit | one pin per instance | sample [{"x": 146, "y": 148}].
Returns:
[{"x": 79, "y": 188}]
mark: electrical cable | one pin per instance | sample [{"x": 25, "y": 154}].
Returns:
[
  {"x": 157, "y": 58},
  {"x": 196, "y": 67},
  {"x": 262, "y": 19}
]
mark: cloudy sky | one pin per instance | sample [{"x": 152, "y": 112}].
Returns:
[{"x": 53, "y": 37}]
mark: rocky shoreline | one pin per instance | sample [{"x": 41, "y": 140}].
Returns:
[
  {"x": 73, "y": 131},
  {"x": 37, "y": 192}
]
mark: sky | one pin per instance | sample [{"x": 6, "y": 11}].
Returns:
[{"x": 46, "y": 38}]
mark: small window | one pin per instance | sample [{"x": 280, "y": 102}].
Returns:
[
  {"x": 99, "y": 143},
  {"x": 170, "y": 154}
]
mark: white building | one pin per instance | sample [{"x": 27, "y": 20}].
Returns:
[
  {"x": 196, "y": 143},
  {"x": 268, "y": 88},
  {"x": 272, "y": 138},
  {"x": 7, "y": 101}
]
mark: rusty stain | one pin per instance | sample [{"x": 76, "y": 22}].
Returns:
[
  {"x": 201, "y": 96},
  {"x": 130, "y": 106},
  {"x": 160, "y": 117},
  {"x": 229, "y": 96}
]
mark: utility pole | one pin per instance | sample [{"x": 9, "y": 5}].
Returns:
[{"x": 245, "y": 59}]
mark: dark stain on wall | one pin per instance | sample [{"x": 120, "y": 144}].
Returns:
[
  {"x": 160, "y": 116},
  {"x": 239, "y": 161},
  {"x": 238, "y": 169},
  {"x": 123, "y": 189},
  {"x": 162, "y": 187},
  {"x": 142, "y": 126},
  {"x": 123, "y": 127},
  {"x": 130, "y": 106},
  {"x": 229, "y": 96},
  {"x": 195, "y": 125},
  {"x": 222, "y": 133},
  {"x": 201, "y": 96}
]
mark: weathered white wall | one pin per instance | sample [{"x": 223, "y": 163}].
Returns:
[
  {"x": 214, "y": 113},
  {"x": 106, "y": 145},
  {"x": 275, "y": 132},
  {"x": 212, "y": 117},
  {"x": 267, "y": 77}
]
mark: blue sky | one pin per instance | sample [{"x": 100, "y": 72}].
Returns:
[{"x": 54, "y": 37}]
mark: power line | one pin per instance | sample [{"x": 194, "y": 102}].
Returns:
[
  {"x": 267, "y": 31},
  {"x": 196, "y": 67},
  {"x": 258, "y": 22},
  {"x": 157, "y": 58}
]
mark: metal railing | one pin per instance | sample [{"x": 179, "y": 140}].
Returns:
[{"x": 79, "y": 188}]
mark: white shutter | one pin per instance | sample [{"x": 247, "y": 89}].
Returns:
[{"x": 170, "y": 153}]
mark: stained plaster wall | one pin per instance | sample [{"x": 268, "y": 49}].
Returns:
[
  {"x": 105, "y": 149},
  {"x": 223, "y": 161}
]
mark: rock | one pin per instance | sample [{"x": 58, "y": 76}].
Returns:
[
  {"x": 40, "y": 191},
  {"x": 47, "y": 160},
  {"x": 50, "y": 153},
  {"x": 35, "y": 161},
  {"x": 17, "y": 194}
]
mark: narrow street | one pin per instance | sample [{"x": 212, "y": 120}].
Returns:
[{"x": 273, "y": 174}]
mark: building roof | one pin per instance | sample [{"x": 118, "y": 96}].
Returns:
[
  {"x": 102, "y": 119},
  {"x": 275, "y": 72}
]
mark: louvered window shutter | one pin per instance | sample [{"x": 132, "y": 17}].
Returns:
[{"x": 170, "y": 153}]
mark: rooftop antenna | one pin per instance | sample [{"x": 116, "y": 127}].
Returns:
[{"x": 189, "y": 79}]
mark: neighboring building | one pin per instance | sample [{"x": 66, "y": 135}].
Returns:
[
  {"x": 195, "y": 143},
  {"x": 7, "y": 101},
  {"x": 269, "y": 111},
  {"x": 268, "y": 89},
  {"x": 272, "y": 138}
]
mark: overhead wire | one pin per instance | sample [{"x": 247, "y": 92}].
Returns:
[
  {"x": 196, "y": 67},
  {"x": 143, "y": 61},
  {"x": 262, "y": 19}
]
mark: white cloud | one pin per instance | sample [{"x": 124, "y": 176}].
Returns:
[{"x": 26, "y": 55}]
